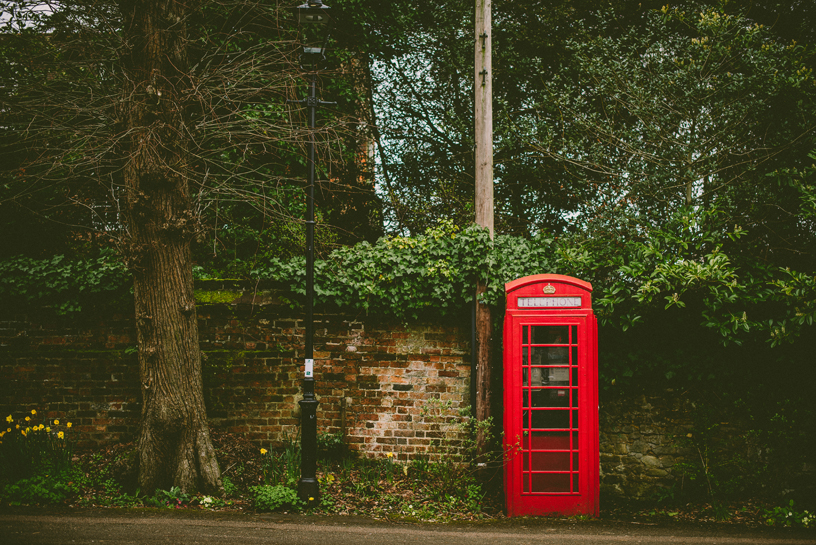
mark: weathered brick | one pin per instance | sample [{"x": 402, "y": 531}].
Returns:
[{"x": 253, "y": 372}]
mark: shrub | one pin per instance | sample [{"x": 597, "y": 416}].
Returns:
[
  {"x": 36, "y": 489},
  {"x": 274, "y": 498},
  {"x": 789, "y": 516}
]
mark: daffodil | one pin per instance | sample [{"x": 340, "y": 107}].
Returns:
[
  {"x": 48, "y": 430},
  {"x": 9, "y": 419},
  {"x": 69, "y": 424},
  {"x": 23, "y": 432},
  {"x": 263, "y": 451},
  {"x": 56, "y": 422},
  {"x": 28, "y": 419},
  {"x": 33, "y": 411},
  {"x": 61, "y": 435},
  {"x": 390, "y": 454}
]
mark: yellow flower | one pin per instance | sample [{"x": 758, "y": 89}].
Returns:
[
  {"x": 2, "y": 433},
  {"x": 28, "y": 419},
  {"x": 42, "y": 426},
  {"x": 311, "y": 498},
  {"x": 23, "y": 432},
  {"x": 48, "y": 430},
  {"x": 61, "y": 435},
  {"x": 56, "y": 422},
  {"x": 9, "y": 430},
  {"x": 263, "y": 451},
  {"x": 9, "y": 419},
  {"x": 69, "y": 424},
  {"x": 390, "y": 454},
  {"x": 33, "y": 411},
  {"x": 18, "y": 426}
]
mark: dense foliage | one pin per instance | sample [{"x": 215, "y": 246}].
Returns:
[{"x": 660, "y": 152}]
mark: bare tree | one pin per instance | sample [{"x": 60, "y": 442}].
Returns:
[{"x": 157, "y": 106}]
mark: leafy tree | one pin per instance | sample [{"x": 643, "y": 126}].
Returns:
[
  {"x": 690, "y": 110},
  {"x": 166, "y": 113}
]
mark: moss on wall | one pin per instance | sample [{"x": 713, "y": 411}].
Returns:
[{"x": 215, "y": 297}]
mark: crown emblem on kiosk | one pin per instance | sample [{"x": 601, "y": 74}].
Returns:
[{"x": 549, "y": 289}]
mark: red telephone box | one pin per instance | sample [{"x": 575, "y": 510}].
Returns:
[{"x": 550, "y": 397}]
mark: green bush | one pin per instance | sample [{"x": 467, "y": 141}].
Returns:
[
  {"x": 43, "y": 489},
  {"x": 230, "y": 489},
  {"x": 173, "y": 498},
  {"x": 66, "y": 285},
  {"x": 789, "y": 516},
  {"x": 275, "y": 498}
]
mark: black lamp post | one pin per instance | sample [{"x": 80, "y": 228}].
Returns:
[{"x": 314, "y": 12}]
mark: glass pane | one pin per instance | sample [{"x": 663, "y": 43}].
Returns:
[
  {"x": 549, "y": 397},
  {"x": 575, "y": 461},
  {"x": 574, "y": 360},
  {"x": 549, "y": 355},
  {"x": 550, "y": 419},
  {"x": 574, "y": 332},
  {"x": 547, "y": 376},
  {"x": 575, "y": 441},
  {"x": 575, "y": 482},
  {"x": 524, "y": 376},
  {"x": 550, "y": 461},
  {"x": 524, "y": 335},
  {"x": 574, "y": 397},
  {"x": 550, "y": 334},
  {"x": 548, "y": 440},
  {"x": 575, "y": 419},
  {"x": 551, "y": 482},
  {"x": 525, "y": 479}
]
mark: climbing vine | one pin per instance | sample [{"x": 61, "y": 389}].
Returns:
[{"x": 682, "y": 267}]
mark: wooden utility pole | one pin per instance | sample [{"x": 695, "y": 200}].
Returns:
[{"x": 484, "y": 194}]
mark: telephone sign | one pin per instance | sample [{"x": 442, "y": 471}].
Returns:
[{"x": 550, "y": 397}]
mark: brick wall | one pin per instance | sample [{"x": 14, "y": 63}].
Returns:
[
  {"x": 375, "y": 382},
  {"x": 373, "y": 377},
  {"x": 77, "y": 370}
]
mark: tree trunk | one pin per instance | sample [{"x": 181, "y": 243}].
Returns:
[{"x": 174, "y": 442}]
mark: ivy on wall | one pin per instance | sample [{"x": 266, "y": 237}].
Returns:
[
  {"x": 67, "y": 286},
  {"x": 682, "y": 268}
]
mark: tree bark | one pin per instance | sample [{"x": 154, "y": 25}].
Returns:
[{"x": 174, "y": 442}]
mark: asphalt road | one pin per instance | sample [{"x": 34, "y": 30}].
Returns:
[{"x": 35, "y": 526}]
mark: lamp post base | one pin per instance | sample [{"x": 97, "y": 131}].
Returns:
[
  {"x": 309, "y": 491},
  {"x": 308, "y": 487}
]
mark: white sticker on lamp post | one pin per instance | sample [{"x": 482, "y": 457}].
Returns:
[{"x": 309, "y": 369}]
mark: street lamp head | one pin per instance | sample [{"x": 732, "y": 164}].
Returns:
[
  {"x": 312, "y": 12},
  {"x": 312, "y": 57}
]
